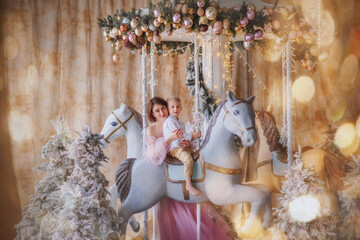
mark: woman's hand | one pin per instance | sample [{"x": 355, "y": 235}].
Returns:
[
  {"x": 185, "y": 144},
  {"x": 176, "y": 134}
]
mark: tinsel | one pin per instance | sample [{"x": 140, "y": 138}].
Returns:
[
  {"x": 207, "y": 104},
  {"x": 349, "y": 216},
  {"x": 300, "y": 181}
]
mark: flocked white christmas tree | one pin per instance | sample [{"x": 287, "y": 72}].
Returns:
[
  {"x": 38, "y": 214},
  {"x": 301, "y": 187},
  {"x": 349, "y": 224},
  {"x": 85, "y": 212}
]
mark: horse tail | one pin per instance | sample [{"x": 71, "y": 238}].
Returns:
[
  {"x": 335, "y": 170},
  {"x": 123, "y": 178}
]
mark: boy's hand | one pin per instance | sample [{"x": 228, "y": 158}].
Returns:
[
  {"x": 185, "y": 144},
  {"x": 196, "y": 135}
]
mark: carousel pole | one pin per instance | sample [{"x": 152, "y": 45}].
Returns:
[
  {"x": 196, "y": 66},
  {"x": 152, "y": 86},
  {"x": 144, "y": 101},
  {"x": 289, "y": 110}
]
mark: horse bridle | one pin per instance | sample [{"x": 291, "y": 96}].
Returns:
[
  {"x": 227, "y": 113},
  {"x": 122, "y": 124}
]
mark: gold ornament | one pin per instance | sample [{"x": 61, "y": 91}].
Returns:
[
  {"x": 144, "y": 28},
  {"x": 211, "y": 13},
  {"x": 200, "y": 12},
  {"x": 118, "y": 18},
  {"x": 185, "y": 9},
  {"x": 214, "y": 4},
  {"x": 314, "y": 50},
  {"x": 160, "y": 19},
  {"x": 116, "y": 57},
  {"x": 251, "y": 6},
  {"x": 108, "y": 38},
  {"x": 178, "y": 8},
  {"x": 133, "y": 23},
  {"x": 113, "y": 45},
  {"x": 203, "y": 20},
  {"x": 226, "y": 23},
  {"x": 138, "y": 32}
]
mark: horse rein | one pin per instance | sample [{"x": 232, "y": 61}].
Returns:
[
  {"x": 227, "y": 113},
  {"x": 122, "y": 124}
]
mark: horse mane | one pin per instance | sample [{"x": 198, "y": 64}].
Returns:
[
  {"x": 212, "y": 124},
  {"x": 137, "y": 116},
  {"x": 335, "y": 170},
  {"x": 271, "y": 133}
]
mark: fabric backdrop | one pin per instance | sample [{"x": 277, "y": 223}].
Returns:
[{"x": 54, "y": 61}]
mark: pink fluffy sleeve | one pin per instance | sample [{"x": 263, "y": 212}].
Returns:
[{"x": 156, "y": 150}]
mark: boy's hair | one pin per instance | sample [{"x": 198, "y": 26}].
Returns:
[{"x": 173, "y": 98}]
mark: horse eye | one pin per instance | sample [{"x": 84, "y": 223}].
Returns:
[
  {"x": 236, "y": 112},
  {"x": 114, "y": 123}
]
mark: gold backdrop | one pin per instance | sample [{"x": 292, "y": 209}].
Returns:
[{"x": 55, "y": 62}]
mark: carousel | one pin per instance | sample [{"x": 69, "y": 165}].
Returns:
[{"x": 281, "y": 165}]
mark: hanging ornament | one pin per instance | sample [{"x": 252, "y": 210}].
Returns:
[
  {"x": 118, "y": 45},
  {"x": 249, "y": 37},
  {"x": 275, "y": 24},
  {"x": 250, "y": 14},
  {"x": 178, "y": 8},
  {"x": 200, "y": 3},
  {"x": 132, "y": 38},
  {"x": 188, "y": 22},
  {"x": 200, "y": 12},
  {"x": 244, "y": 22},
  {"x": 218, "y": 27},
  {"x": 258, "y": 34},
  {"x": 126, "y": 20},
  {"x": 251, "y": 6},
  {"x": 204, "y": 28},
  {"x": 176, "y": 18},
  {"x": 248, "y": 45},
  {"x": 157, "y": 12},
  {"x": 138, "y": 32},
  {"x": 211, "y": 13},
  {"x": 116, "y": 57},
  {"x": 133, "y": 23},
  {"x": 108, "y": 38},
  {"x": 185, "y": 9},
  {"x": 156, "y": 23},
  {"x": 214, "y": 4},
  {"x": 203, "y": 20},
  {"x": 226, "y": 23}
]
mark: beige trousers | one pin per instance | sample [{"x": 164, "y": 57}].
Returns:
[{"x": 186, "y": 158}]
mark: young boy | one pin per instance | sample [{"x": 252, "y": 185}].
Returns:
[{"x": 172, "y": 123}]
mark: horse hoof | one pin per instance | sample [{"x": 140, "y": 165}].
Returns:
[{"x": 251, "y": 230}]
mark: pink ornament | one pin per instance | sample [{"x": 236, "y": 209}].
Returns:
[
  {"x": 218, "y": 27},
  {"x": 250, "y": 14},
  {"x": 132, "y": 38},
  {"x": 275, "y": 24},
  {"x": 244, "y": 22},
  {"x": 176, "y": 18},
  {"x": 157, "y": 12},
  {"x": 258, "y": 34},
  {"x": 249, "y": 37},
  {"x": 188, "y": 22},
  {"x": 157, "y": 38},
  {"x": 200, "y": 3}
]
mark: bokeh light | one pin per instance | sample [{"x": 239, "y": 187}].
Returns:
[
  {"x": 346, "y": 139},
  {"x": 20, "y": 126},
  {"x": 303, "y": 89},
  {"x": 348, "y": 72},
  {"x": 11, "y": 47},
  {"x": 304, "y": 208},
  {"x": 273, "y": 53},
  {"x": 336, "y": 109}
]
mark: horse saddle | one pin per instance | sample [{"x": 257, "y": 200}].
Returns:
[
  {"x": 174, "y": 171},
  {"x": 279, "y": 167}
]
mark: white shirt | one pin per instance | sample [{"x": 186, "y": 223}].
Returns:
[{"x": 171, "y": 124}]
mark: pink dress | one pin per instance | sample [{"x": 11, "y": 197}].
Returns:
[{"x": 177, "y": 220}]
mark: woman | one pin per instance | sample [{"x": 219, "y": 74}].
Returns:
[{"x": 177, "y": 220}]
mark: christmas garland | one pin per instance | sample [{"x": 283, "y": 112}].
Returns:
[
  {"x": 134, "y": 29},
  {"x": 207, "y": 104}
]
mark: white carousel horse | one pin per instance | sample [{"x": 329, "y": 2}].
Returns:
[
  {"x": 142, "y": 185},
  {"x": 124, "y": 121}
]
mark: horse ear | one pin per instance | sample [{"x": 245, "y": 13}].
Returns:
[
  {"x": 250, "y": 99},
  {"x": 231, "y": 97}
]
